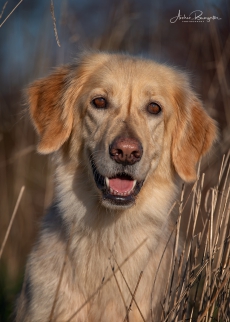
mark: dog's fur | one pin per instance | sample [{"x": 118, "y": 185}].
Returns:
[{"x": 93, "y": 246}]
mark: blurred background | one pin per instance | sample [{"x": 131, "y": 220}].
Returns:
[{"x": 29, "y": 49}]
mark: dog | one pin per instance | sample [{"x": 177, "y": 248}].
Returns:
[{"x": 123, "y": 132}]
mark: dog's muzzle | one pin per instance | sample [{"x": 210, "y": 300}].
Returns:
[{"x": 121, "y": 189}]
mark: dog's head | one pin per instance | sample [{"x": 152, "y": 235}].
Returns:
[{"x": 133, "y": 119}]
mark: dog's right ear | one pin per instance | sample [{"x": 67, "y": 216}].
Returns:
[{"x": 52, "y": 115}]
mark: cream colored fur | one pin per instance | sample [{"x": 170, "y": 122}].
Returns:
[{"x": 105, "y": 248}]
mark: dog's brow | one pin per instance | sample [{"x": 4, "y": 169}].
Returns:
[{"x": 129, "y": 106}]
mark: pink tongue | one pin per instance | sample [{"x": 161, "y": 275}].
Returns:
[{"x": 120, "y": 185}]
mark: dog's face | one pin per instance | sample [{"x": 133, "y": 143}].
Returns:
[
  {"x": 123, "y": 129},
  {"x": 134, "y": 119}
]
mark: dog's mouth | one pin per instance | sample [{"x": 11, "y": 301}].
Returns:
[
  {"x": 121, "y": 185},
  {"x": 121, "y": 189}
]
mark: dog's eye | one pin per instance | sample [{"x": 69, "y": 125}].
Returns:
[
  {"x": 153, "y": 108},
  {"x": 99, "y": 102}
]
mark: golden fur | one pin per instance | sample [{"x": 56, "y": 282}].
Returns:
[{"x": 87, "y": 233}]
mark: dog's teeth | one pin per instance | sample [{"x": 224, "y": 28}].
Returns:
[
  {"x": 107, "y": 182},
  {"x": 134, "y": 183}
]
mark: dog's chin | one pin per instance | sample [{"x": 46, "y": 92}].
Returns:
[{"x": 118, "y": 191}]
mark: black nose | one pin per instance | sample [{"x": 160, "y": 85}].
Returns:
[{"x": 126, "y": 151}]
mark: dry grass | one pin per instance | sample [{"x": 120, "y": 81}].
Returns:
[{"x": 198, "y": 283}]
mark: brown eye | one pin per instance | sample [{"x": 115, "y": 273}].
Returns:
[
  {"x": 153, "y": 108},
  {"x": 99, "y": 102}
]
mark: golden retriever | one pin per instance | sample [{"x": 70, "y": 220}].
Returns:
[{"x": 122, "y": 131}]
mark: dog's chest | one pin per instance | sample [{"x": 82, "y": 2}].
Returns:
[{"x": 108, "y": 278}]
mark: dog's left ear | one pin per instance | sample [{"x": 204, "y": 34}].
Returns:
[
  {"x": 194, "y": 135},
  {"x": 51, "y": 113}
]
